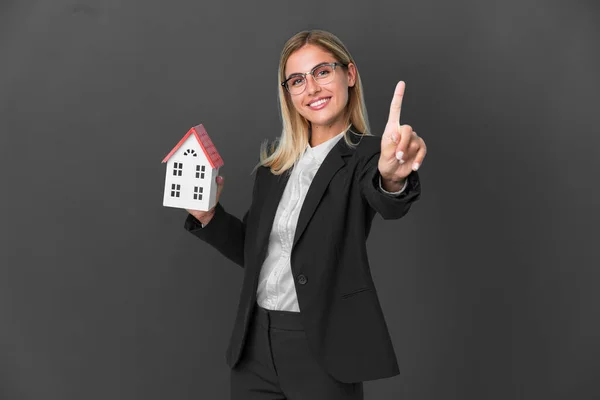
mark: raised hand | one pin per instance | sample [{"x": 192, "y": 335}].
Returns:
[{"x": 402, "y": 151}]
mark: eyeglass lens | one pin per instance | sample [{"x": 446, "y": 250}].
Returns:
[{"x": 323, "y": 74}]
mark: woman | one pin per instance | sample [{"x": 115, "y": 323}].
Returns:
[{"x": 309, "y": 324}]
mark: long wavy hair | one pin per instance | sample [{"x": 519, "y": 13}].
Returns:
[{"x": 286, "y": 150}]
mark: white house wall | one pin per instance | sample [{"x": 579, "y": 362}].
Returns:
[{"x": 188, "y": 181}]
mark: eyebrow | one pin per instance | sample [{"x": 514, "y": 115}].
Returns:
[{"x": 299, "y": 73}]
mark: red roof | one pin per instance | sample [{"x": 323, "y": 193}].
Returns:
[{"x": 206, "y": 144}]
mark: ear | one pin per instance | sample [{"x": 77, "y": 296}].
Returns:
[{"x": 352, "y": 73}]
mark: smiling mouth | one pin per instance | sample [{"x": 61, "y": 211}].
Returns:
[{"x": 319, "y": 103}]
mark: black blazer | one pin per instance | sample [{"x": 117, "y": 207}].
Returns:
[{"x": 341, "y": 313}]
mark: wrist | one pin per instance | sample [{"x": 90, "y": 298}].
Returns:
[
  {"x": 205, "y": 219},
  {"x": 392, "y": 185}
]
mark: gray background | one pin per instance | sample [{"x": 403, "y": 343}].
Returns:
[{"x": 489, "y": 284}]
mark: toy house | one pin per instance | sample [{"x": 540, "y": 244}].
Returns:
[{"x": 192, "y": 167}]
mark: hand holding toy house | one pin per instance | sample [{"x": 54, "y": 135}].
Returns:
[{"x": 192, "y": 167}]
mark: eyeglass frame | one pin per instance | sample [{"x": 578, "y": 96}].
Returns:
[{"x": 311, "y": 72}]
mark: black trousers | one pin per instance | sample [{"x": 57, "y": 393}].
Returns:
[{"x": 277, "y": 364}]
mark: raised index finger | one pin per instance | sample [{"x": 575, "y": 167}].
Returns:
[{"x": 396, "y": 105}]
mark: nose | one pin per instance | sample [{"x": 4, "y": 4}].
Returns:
[{"x": 311, "y": 84}]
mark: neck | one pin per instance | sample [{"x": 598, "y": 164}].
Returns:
[{"x": 322, "y": 133}]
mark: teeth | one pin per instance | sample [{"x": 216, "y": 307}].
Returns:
[{"x": 318, "y": 103}]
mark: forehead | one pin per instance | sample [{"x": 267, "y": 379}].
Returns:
[{"x": 305, "y": 58}]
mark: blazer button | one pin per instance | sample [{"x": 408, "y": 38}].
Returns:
[{"x": 302, "y": 279}]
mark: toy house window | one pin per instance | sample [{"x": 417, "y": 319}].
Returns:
[
  {"x": 190, "y": 151},
  {"x": 200, "y": 171},
  {"x": 177, "y": 169},
  {"x": 175, "y": 190},
  {"x": 198, "y": 192}
]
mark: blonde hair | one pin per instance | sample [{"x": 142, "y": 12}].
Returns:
[{"x": 288, "y": 148}]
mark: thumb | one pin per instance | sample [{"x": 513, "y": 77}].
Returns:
[{"x": 220, "y": 183}]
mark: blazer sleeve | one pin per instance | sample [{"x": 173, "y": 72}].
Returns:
[
  {"x": 225, "y": 232},
  {"x": 390, "y": 207}
]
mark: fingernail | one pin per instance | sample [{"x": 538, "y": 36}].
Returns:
[
  {"x": 399, "y": 155},
  {"x": 415, "y": 166}
]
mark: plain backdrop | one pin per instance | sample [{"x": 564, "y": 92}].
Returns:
[{"x": 489, "y": 285}]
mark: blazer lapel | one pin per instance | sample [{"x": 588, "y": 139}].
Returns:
[
  {"x": 331, "y": 164},
  {"x": 268, "y": 210}
]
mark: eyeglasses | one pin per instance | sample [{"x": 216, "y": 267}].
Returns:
[{"x": 322, "y": 74}]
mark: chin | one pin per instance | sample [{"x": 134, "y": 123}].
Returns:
[{"x": 321, "y": 119}]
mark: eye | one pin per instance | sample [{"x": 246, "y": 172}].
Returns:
[
  {"x": 323, "y": 71},
  {"x": 296, "y": 81}
]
